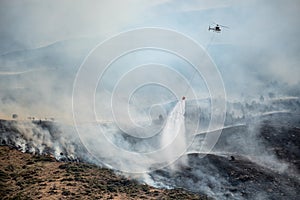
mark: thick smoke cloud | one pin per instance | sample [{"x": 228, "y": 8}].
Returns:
[
  {"x": 260, "y": 47},
  {"x": 29, "y": 24},
  {"x": 43, "y": 44},
  {"x": 256, "y": 56}
]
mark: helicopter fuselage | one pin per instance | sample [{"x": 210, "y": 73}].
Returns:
[{"x": 215, "y": 29}]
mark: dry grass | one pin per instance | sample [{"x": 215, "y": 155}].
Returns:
[{"x": 24, "y": 176}]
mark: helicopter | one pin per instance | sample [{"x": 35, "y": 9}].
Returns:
[{"x": 216, "y": 28}]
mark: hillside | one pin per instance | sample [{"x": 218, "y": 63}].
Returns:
[{"x": 26, "y": 176}]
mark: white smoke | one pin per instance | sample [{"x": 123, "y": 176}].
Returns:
[{"x": 41, "y": 137}]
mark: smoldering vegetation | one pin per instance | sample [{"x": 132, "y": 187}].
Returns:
[
  {"x": 257, "y": 155},
  {"x": 246, "y": 163},
  {"x": 43, "y": 138}
]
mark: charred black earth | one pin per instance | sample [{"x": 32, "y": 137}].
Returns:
[{"x": 257, "y": 160}]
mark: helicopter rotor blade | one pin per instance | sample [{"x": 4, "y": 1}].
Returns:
[{"x": 223, "y": 26}]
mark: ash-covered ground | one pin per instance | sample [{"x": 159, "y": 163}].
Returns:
[
  {"x": 256, "y": 157},
  {"x": 235, "y": 170}
]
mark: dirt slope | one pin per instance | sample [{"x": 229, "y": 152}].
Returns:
[{"x": 24, "y": 176}]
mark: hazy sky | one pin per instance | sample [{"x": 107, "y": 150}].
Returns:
[{"x": 260, "y": 48}]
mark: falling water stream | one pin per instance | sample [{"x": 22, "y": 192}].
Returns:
[{"x": 173, "y": 134}]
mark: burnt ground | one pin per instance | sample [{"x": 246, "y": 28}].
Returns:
[
  {"x": 25, "y": 176},
  {"x": 281, "y": 135},
  {"x": 259, "y": 160},
  {"x": 230, "y": 179}
]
